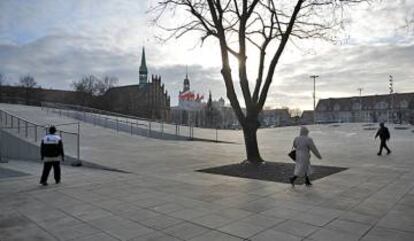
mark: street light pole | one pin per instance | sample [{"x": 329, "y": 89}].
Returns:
[
  {"x": 392, "y": 99},
  {"x": 314, "y": 96},
  {"x": 360, "y": 103}
]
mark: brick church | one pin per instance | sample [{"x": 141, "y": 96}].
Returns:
[{"x": 148, "y": 99}]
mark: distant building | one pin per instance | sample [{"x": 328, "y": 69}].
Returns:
[
  {"x": 306, "y": 118},
  {"x": 147, "y": 99},
  {"x": 397, "y": 108},
  {"x": 275, "y": 117}
]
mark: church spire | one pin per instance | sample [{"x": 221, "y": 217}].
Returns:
[
  {"x": 186, "y": 81},
  {"x": 143, "y": 71}
]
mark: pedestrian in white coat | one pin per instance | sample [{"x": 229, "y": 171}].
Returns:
[{"x": 303, "y": 145}]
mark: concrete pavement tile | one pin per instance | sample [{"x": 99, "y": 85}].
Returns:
[
  {"x": 261, "y": 220},
  {"x": 233, "y": 213},
  {"x": 296, "y": 228},
  {"x": 120, "y": 228},
  {"x": 167, "y": 208},
  {"x": 97, "y": 237},
  {"x": 313, "y": 219},
  {"x": 273, "y": 235},
  {"x": 216, "y": 236},
  {"x": 161, "y": 222},
  {"x": 281, "y": 212},
  {"x": 27, "y": 232},
  {"x": 73, "y": 232},
  {"x": 155, "y": 236},
  {"x": 348, "y": 227},
  {"x": 213, "y": 220},
  {"x": 329, "y": 235},
  {"x": 360, "y": 218},
  {"x": 186, "y": 230},
  {"x": 241, "y": 229},
  {"x": 384, "y": 234},
  {"x": 190, "y": 213}
]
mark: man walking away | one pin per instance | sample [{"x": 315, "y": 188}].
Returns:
[
  {"x": 384, "y": 135},
  {"x": 51, "y": 151}
]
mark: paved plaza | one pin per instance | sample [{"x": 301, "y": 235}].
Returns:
[{"x": 161, "y": 197}]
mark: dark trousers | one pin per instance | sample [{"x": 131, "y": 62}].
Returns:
[
  {"x": 383, "y": 145},
  {"x": 46, "y": 169}
]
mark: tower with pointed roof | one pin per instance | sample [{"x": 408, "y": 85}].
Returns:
[
  {"x": 186, "y": 82},
  {"x": 143, "y": 71}
]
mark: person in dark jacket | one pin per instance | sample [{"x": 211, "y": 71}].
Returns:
[
  {"x": 51, "y": 151},
  {"x": 384, "y": 135}
]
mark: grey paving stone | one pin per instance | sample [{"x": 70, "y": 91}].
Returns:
[
  {"x": 120, "y": 228},
  {"x": 242, "y": 229},
  {"x": 213, "y": 220},
  {"x": 97, "y": 237},
  {"x": 26, "y": 232},
  {"x": 74, "y": 232},
  {"x": 186, "y": 230},
  {"x": 313, "y": 219},
  {"x": 216, "y": 236},
  {"x": 160, "y": 222},
  {"x": 329, "y": 235},
  {"x": 296, "y": 228},
  {"x": 272, "y": 235},
  {"x": 190, "y": 213},
  {"x": 360, "y": 218},
  {"x": 384, "y": 234},
  {"x": 155, "y": 236},
  {"x": 348, "y": 227}
]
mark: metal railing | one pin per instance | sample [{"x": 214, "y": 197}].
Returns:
[
  {"x": 133, "y": 126},
  {"x": 33, "y": 132},
  {"x": 136, "y": 125}
]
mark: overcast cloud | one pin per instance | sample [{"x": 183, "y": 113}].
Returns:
[{"x": 60, "y": 41}]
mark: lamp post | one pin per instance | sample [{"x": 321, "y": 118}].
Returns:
[
  {"x": 392, "y": 99},
  {"x": 314, "y": 96},
  {"x": 360, "y": 103}
]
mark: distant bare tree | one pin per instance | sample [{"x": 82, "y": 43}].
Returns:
[
  {"x": 27, "y": 81},
  {"x": 86, "y": 85},
  {"x": 263, "y": 27},
  {"x": 105, "y": 84},
  {"x": 295, "y": 112},
  {"x": 2, "y": 79},
  {"x": 2, "y": 82},
  {"x": 92, "y": 85}
]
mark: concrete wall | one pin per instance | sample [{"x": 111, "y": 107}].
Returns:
[{"x": 14, "y": 147}]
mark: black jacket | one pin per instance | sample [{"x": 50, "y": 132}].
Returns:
[
  {"x": 51, "y": 147},
  {"x": 383, "y": 133}
]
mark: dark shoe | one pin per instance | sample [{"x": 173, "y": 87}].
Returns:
[
  {"x": 43, "y": 183},
  {"x": 388, "y": 152},
  {"x": 57, "y": 182},
  {"x": 307, "y": 182},
  {"x": 379, "y": 154},
  {"x": 292, "y": 181}
]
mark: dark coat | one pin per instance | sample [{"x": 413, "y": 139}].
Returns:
[{"x": 383, "y": 133}]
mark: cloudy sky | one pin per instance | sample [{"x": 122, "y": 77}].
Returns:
[{"x": 59, "y": 41}]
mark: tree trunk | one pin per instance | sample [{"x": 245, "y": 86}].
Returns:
[{"x": 250, "y": 141}]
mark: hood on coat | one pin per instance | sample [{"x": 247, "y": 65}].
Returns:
[{"x": 304, "y": 131}]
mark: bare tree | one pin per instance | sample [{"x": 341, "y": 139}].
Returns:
[
  {"x": 86, "y": 85},
  {"x": 92, "y": 85},
  {"x": 2, "y": 79},
  {"x": 27, "y": 81},
  {"x": 294, "y": 112},
  {"x": 244, "y": 26},
  {"x": 105, "y": 84}
]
